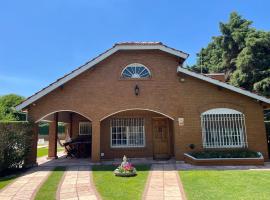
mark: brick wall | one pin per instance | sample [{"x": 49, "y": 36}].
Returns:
[
  {"x": 100, "y": 91},
  {"x": 146, "y": 151}
]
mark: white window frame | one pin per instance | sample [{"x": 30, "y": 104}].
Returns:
[
  {"x": 136, "y": 65},
  {"x": 127, "y": 133},
  {"x": 82, "y": 124},
  {"x": 223, "y": 118}
]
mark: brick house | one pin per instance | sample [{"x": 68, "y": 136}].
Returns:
[{"x": 136, "y": 99}]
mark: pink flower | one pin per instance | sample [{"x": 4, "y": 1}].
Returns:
[{"x": 128, "y": 167}]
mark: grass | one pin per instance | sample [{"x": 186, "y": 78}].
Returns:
[
  {"x": 43, "y": 151},
  {"x": 7, "y": 180},
  {"x": 49, "y": 187},
  {"x": 228, "y": 184},
  {"x": 112, "y": 187}
]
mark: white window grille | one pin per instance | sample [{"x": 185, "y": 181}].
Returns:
[
  {"x": 223, "y": 128},
  {"x": 136, "y": 70},
  {"x": 127, "y": 132},
  {"x": 85, "y": 128}
]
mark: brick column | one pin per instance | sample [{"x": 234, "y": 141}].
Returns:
[
  {"x": 71, "y": 125},
  {"x": 31, "y": 159},
  {"x": 95, "y": 141},
  {"x": 53, "y": 131},
  {"x": 178, "y": 141}
]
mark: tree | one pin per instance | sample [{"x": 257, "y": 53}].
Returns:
[
  {"x": 241, "y": 52},
  {"x": 7, "y": 103},
  {"x": 253, "y": 64}
]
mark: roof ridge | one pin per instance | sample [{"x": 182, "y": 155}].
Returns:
[{"x": 139, "y": 42}]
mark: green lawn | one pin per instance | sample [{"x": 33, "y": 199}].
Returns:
[
  {"x": 49, "y": 187},
  {"x": 116, "y": 188},
  {"x": 6, "y": 180},
  {"x": 228, "y": 184},
  {"x": 43, "y": 151}
]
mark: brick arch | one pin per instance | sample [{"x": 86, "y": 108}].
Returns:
[
  {"x": 130, "y": 109},
  {"x": 57, "y": 111},
  {"x": 209, "y": 106}
]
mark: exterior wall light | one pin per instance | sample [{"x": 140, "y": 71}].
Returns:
[{"x": 137, "y": 90}]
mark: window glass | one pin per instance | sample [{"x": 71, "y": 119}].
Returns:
[
  {"x": 85, "y": 128},
  {"x": 223, "y": 128},
  {"x": 135, "y": 71},
  {"x": 127, "y": 132}
]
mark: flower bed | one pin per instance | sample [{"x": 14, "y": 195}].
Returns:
[
  {"x": 226, "y": 154},
  {"x": 125, "y": 169},
  {"x": 237, "y": 157}
]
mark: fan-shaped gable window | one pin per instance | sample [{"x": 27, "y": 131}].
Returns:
[
  {"x": 223, "y": 128},
  {"x": 135, "y": 71}
]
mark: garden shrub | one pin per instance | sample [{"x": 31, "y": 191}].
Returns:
[
  {"x": 240, "y": 153},
  {"x": 15, "y": 144}
]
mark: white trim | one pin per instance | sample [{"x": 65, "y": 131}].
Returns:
[
  {"x": 129, "y": 109},
  {"x": 94, "y": 62},
  {"x": 135, "y": 65},
  {"x": 215, "y": 74},
  {"x": 220, "y": 128},
  {"x": 41, "y": 119},
  {"x": 127, "y": 132},
  {"x": 221, "y": 111},
  {"x": 224, "y": 85}
]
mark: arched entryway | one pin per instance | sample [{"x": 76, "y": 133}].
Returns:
[
  {"x": 75, "y": 128},
  {"x": 137, "y": 133}
]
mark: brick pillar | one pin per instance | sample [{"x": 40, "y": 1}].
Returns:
[
  {"x": 178, "y": 140},
  {"x": 95, "y": 141},
  {"x": 71, "y": 125},
  {"x": 53, "y": 130},
  {"x": 31, "y": 159}
]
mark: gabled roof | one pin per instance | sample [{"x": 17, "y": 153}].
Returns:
[
  {"x": 224, "y": 85},
  {"x": 94, "y": 61}
]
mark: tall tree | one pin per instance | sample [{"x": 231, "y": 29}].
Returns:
[
  {"x": 241, "y": 52},
  {"x": 7, "y": 103}
]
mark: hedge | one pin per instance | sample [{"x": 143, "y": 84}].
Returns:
[
  {"x": 240, "y": 153},
  {"x": 15, "y": 143}
]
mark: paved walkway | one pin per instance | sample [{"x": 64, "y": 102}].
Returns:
[
  {"x": 26, "y": 186},
  {"x": 77, "y": 185},
  {"x": 164, "y": 184}
]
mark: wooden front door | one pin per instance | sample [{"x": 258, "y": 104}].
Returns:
[{"x": 161, "y": 138}]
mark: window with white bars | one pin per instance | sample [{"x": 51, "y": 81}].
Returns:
[
  {"x": 135, "y": 71},
  {"x": 223, "y": 128},
  {"x": 127, "y": 132},
  {"x": 85, "y": 128}
]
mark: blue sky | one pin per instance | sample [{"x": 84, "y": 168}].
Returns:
[{"x": 41, "y": 41}]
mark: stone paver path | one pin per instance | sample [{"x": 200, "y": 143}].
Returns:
[
  {"x": 26, "y": 186},
  {"x": 164, "y": 184},
  {"x": 77, "y": 184}
]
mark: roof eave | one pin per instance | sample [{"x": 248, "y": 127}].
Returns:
[
  {"x": 93, "y": 62},
  {"x": 224, "y": 85}
]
